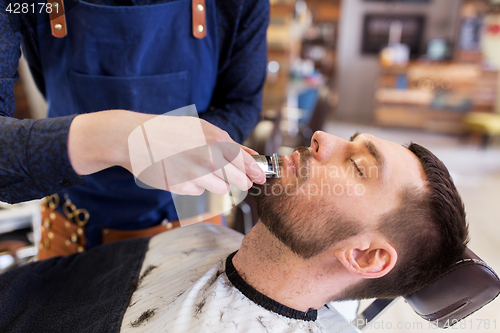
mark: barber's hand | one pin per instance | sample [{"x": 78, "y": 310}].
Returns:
[{"x": 186, "y": 155}]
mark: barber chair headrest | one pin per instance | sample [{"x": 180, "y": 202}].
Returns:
[{"x": 464, "y": 288}]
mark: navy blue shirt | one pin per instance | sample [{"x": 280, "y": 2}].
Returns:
[{"x": 34, "y": 160}]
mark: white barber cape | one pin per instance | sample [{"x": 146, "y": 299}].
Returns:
[{"x": 183, "y": 287}]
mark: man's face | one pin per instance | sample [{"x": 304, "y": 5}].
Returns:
[{"x": 334, "y": 189}]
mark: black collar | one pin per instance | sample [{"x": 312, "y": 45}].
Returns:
[{"x": 263, "y": 300}]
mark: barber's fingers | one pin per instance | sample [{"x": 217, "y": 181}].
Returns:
[
  {"x": 226, "y": 152},
  {"x": 186, "y": 188},
  {"x": 234, "y": 176},
  {"x": 212, "y": 183},
  {"x": 251, "y": 168},
  {"x": 248, "y": 150}
]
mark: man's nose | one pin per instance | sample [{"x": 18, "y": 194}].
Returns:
[{"x": 324, "y": 145}]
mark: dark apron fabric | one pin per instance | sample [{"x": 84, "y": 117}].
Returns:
[
  {"x": 139, "y": 58},
  {"x": 85, "y": 292}
]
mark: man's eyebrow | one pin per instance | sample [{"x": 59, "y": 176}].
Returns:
[
  {"x": 354, "y": 136},
  {"x": 372, "y": 149}
]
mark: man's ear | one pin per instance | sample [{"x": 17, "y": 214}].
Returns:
[{"x": 368, "y": 257}]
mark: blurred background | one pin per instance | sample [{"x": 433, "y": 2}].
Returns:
[{"x": 404, "y": 70}]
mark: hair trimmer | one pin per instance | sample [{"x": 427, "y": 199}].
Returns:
[{"x": 269, "y": 164}]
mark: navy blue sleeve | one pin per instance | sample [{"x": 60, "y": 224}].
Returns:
[
  {"x": 10, "y": 52},
  {"x": 237, "y": 99},
  {"x": 34, "y": 161}
]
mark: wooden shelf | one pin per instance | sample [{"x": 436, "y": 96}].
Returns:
[
  {"x": 420, "y": 118},
  {"x": 433, "y": 96}
]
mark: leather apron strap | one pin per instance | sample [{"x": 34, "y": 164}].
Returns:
[
  {"x": 59, "y": 28},
  {"x": 199, "y": 18},
  {"x": 57, "y": 18}
]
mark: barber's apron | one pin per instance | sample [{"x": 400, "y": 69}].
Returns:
[{"x": 139, "y": 58}]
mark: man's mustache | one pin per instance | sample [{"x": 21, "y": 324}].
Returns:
[{"x": 305, "y": 155}]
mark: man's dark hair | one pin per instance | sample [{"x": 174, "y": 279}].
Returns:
[{"x": 428, "y": 231}]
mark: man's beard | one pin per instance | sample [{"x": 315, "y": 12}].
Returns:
[{"x": 302, "y": 222}]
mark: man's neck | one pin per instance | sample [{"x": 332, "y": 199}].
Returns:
[{"x": 272, "y": 269}]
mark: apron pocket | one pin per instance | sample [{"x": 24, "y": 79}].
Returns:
[{"x": 156, "y": 94}]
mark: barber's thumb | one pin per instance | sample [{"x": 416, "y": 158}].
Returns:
[{"x": 249, "y": 150}]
